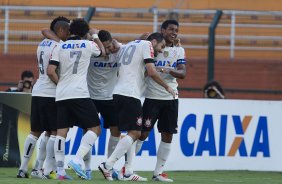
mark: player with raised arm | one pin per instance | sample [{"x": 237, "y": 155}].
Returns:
[
  {"x": 43, "y": 107},
  {"x": 72, "y": 96},
  {"x": 135, "y": 57},
  {"x": 159, "y": 104},
  {"x": 102, "y": 77}
]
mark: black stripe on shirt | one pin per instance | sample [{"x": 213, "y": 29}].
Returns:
[
  {"x": 149, "y": 60},
  {"x": 52, "y": 62}
]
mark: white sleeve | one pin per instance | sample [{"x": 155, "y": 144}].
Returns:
[
  {"x": 181, "y": 56},
  {"x": 95, "y": 50},
  {"x": 148, "y": 51}
]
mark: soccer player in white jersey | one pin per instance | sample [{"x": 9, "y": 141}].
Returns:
[
  {"x": 159, "y": 104},
  {"x": 102, "y": 77},
  {"x": 135, "y": 57},
  {"x": 72, "y": 95},
  {"x": 43, "y": 107}
]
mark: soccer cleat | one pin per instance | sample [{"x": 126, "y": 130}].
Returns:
[
  {"x": 107, "y": 173},
  {"x": 162, "y": 177},
  {"x": 121, "y": 173},
  {"x": 130, "y": 177},
  {"x": 134, "y": 177},
  {"x": 77, "y": 169},
  {"x": 64, "y": 177},
  {"x": 37, "y": 174},
  {"x": 88, "y": 174},
  {"x": 22, "y": 174},
  {"x": 52, "y": 175}
]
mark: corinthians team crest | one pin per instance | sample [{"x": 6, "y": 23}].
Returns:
[
  {"x": 148, "y": 123},
  {"x": 139, "y": 121},
  {"x": 166, "y": 53}
]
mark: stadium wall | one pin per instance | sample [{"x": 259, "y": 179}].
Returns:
[
  {"x": 258, "y": 5},
  {"x": 264, "y": 75}
]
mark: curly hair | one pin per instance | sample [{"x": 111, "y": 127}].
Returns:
[
  {"x": 167, "y": 22},
  {"x": 79, "y": 27},
  {"x": 60, "y": 18}
]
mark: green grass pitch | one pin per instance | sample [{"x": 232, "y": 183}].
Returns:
[{"x": 8, "y": 176}]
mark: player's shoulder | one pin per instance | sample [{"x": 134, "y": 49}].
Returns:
[
  {"x": 75, "y": 44},
  {"x": 140, "y": 42},
  {"x": 177, "y": 49},
  {"x": 47, "y": 42},
  {"x": 145, "y": 41}
]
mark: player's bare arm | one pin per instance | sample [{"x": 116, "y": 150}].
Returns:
[
  {"x": 94, "y": 34},
  {"x": 152, "y": 72},
  {"x": 179, "y": 72},
  {"x": 47, "y": 33},
  {"x": 52, "y": 74},
  {"x": 144, "y": 36}
]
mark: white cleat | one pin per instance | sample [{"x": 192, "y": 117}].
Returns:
[
  {"x": 107, "y": 173},
  {"x": 162, "y": 177},
  {"x": 37, "y": 174},
  {"x": 130, "y": 177},
  {"x": 134, "y": 177}
]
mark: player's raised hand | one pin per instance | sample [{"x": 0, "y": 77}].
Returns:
[
  {"x": 144, "y": 36},
  {"x": 177, "y": 42}
]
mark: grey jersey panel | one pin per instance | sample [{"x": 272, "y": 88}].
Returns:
[{"x": 102, "y": 76}]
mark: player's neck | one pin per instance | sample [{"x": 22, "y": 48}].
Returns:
[{"x": 169, "y": 44}]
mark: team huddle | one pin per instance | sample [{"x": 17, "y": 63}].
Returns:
[{"x": 84, "y": 72}]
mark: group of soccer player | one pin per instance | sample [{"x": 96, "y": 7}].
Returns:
[{"x": 83, "y": 72}]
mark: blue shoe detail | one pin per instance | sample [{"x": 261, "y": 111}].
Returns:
[
  {"x": 77, "y": 169},
  {"x": 88, "y": 174},
  {"x": 115, "y": 174}
]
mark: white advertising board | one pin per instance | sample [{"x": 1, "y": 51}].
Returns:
[{"x": 212, "y": 135}]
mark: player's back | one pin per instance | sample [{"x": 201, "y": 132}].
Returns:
[
  {"x": 74, "y": 58},
  {"x": 132, "y": 70},
  {"x": 44, "y": 86}
]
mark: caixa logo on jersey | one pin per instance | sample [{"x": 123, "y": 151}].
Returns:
[{"x": 230, "y": 136}]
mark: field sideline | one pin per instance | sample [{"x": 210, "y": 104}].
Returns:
[{"x": 8, "y": 176}]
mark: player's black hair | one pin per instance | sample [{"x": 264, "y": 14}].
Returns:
[
  {"x": 61, "y": 24},
  {"x": 168, "y": 22},
  {"x": 157, "y": 36},
  {"x": 60, "y": 18},
  {"x": 27, "y": 73},
  {"x": 79, "y": 27},
  {"x": 104, "y": 36}
]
